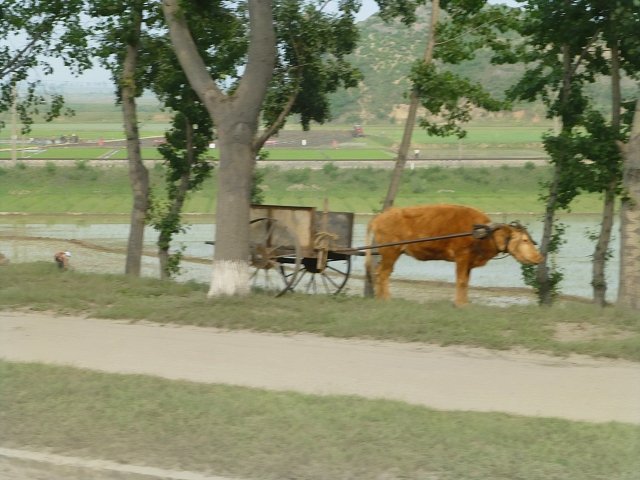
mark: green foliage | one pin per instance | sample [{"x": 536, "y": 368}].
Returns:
[
  {"x": 31, "y": 35},
  {"x": 449, "y": 97},
  {"x": 173, "y": 262},
  {"x": 555, "y": 275},
  {"x": 186, "y": 167},
  {"x": 312, "y": 47},
  {"x": 257, "y": 187},
  {"x": 566, "y": 46}
]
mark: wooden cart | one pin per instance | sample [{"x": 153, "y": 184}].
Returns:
[{"x": 300, "y": 249}]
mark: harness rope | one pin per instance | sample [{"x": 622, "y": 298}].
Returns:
[{"x": 479, "y": 232}]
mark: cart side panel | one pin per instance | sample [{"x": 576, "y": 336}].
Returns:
[
  {"x": 339, "y": 224},
  {"x": 299, "y": 220}
]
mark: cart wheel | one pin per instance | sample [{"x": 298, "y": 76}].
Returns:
[
  {"x": 275, "y": 256},
  {"x": 331, "y": 280}
]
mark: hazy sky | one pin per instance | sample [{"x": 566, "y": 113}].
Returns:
[{"x": 97, "y": 74}]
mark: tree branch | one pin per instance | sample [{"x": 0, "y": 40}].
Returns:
[
  {"x": 277, "y": 124},
  {"x": 189, "y": 57},
  {"x": 584, "y": 53},
  {"x": 261, "y": 56}
]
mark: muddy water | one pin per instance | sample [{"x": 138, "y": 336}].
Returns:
[{"x": 98, "y": 244}]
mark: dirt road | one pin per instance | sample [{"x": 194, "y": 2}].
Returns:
[{"x": 451, "y": 378}]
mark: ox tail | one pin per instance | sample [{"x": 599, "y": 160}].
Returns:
[{"x": 369, "y": 267}]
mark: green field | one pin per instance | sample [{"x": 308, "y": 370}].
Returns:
[
  {"x": 493, "y": 138},
  {"x": 51, "y": 189}
]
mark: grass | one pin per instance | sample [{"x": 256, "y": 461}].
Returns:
[
  {"x": 80, "y": 153},
  {"x": 40, "y": 286},
  {"x": 250, "y": 433},
  {"x": 330, "y": 154},
  {"x": 493, "y": 133},
  {"x": 108, "y": 130},
  {"x": 54, "y": 190}
]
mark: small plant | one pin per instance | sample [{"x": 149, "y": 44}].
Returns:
[
  {"x": 417, "y": 186},
  {"x": 21, "y": 166},
  {"x": 555, "y": 275},
  {"x": 173, "y": 262},
  {"x": 529, "y": 166},
  {"x": 82, "y": 165},
  {"x": 50, "y": 167},
  {"x": 297, "y": 176},
  {"x": 330, "y": 170}
]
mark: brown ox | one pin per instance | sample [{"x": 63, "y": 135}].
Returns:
[{"x": 412, "y": 223}]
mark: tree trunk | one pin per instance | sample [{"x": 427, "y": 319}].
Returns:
[
  {"x": 236, "y": 117},
  {"x": 600, "y": 255},
  {"x": 629, "y": 291},
  {"x": 410, "y": 123},
  {"x": 230, "y": 274},
  {"x": 138, "y": 174},
  {"x": 543, "y": 278}
]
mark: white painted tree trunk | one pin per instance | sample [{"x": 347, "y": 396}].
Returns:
[
  {"x": 236, "y": 116},
  {"x": 229, "y": 278}
]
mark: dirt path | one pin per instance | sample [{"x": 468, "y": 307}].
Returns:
[{"x": 452, "y": 378}]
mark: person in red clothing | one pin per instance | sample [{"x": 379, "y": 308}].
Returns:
[{"x": 62, "y": 259}]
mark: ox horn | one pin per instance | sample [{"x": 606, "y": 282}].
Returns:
[{"x": 517, "y": 225}]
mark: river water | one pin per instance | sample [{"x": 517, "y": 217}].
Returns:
[{"x": 98, "y": 244}]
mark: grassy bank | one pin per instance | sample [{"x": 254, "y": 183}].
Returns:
[
  {"x": 249, "y": 433},
  {"x": 84, "y": 189},
  {"x": 40, "y": 286}
]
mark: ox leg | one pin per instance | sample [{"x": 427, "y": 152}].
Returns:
[
  {"x": 463, "y": 272},
  {"x": 388, "y": 259}
]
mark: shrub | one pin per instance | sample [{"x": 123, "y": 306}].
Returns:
[
  {"x": 297, "y": 176},
  {"x": 330, "y": 170},
  {"x": 81, "y": 165}
]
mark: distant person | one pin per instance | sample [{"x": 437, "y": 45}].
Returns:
[{"x": 62, "y": 259}]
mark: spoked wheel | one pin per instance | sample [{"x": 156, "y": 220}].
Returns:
[
  {"x": 274, "y": 256},
  {"x": 330, "y": 280}
]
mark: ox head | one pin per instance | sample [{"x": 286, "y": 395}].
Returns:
[{"x": 516, "y": 241}]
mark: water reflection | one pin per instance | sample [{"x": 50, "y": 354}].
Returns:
[{"x": 98, "y": 244}]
